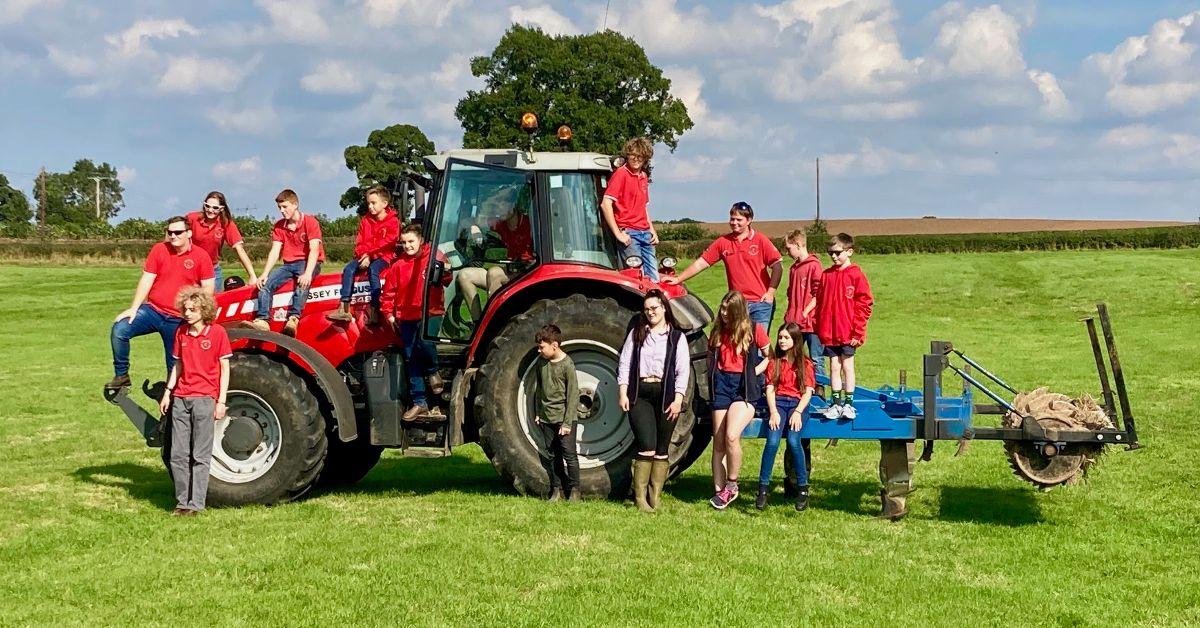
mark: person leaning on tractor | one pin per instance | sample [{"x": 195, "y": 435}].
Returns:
[
  {"x": 753, "y": 266},
  {"x": 212, "y": 229},
  {"x": 374, "y": 250},
  {"x": 624, "y": 205},
  {"x": 652, "y": 378},
  {"x": 504, "y": 213},
  {"x": 297, "y": 239},
  {"x": 170, "y": 266}
]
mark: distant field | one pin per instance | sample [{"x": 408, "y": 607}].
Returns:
[
  {"x": 85, "y": 538},
  {"x": 897, "y": 226}
]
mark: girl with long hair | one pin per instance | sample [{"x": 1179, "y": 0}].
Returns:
[
  {"x": 212, "y": 229},
  {"x": 790, "y": 384},
  {"x": 737, "y": 346}
]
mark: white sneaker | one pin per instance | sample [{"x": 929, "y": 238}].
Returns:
[
  {"x": 848, "y": 412},
  {"x": 834, "y": 411}
]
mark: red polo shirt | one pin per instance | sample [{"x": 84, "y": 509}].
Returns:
[
  {"x": 517, "y": 240},
  {"x": 729, "y": 360},
  {"x": 295, "y": 238},
  {"x": 173, "y": 272},
  {"x": 786, "y": 384},
  {"x": 210, "y": 237},
  {"x": 630, "y": 192},
  {"x": 746, "y": 262},
  {"x": 377, "y": 237},
  {"x": 199, "y": 360}
]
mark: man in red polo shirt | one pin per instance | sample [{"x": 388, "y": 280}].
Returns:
[
  {"x": 170, "y": 266},
  {"x": 753, "y": 266},
  {"x": 296, "y": 239}
]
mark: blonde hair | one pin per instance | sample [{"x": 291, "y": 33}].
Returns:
[
  {"x": 639, "y": 147},
  {"x": 797, "y": 237},
  {"x": 733, "y": 322},
  {"x": 287, "y": 196},
  {"x": 201, "y": 299}
]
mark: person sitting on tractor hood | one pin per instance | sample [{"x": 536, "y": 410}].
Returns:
[
  {"x": 171, "y": 266},
  {"x": 213, "y": 229},
  {"x": 374, "y": 250}
]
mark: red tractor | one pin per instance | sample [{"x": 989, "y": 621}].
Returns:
[{"x": 320, "y": 408}]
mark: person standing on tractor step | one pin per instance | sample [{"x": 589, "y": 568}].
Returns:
[
  {"x": 734, "y": 370},
  {"x": 843, "y": 306},
  {"x": 170, "y": 266},
  {"x": 790, "y": 383},
  {"x": 555, "y": 409},
  {"x": 625, "y": 202},
  {"x": 753, "y": 266},
  {"x": 652, "y": 372},
  {"x": 296, "y": 239},
  {"x": 195, "y": 396},
  {"x": 212, "y": 229},
  {"x": 404, "y": 285},
  {"x": 374, "y": 249}
]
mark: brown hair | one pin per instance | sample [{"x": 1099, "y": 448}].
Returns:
[
  {"x": 201, "y": 298},
  {"x": 287, "y": 196},
  {"x": 414, "y": 228},
  {"x": 795, "y": 356},
  {"x": 225, "y": 216},
  {"x": 175, "y": 219},
  {"x": 642, "y": 327},
  {"x": 639, "y": 147},
  {"x": 548, "y": 334},
  {"x": 381, "y": 192},
  {"x": 844, "y": 239},
  {"x": 796, "y": 236},
  {"x": 733, "y": 322},
  {"x": 743, "y": 209}
]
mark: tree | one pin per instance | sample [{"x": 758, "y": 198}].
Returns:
[
  {"x": 71, "y": 196},
  {"x": 14, "y": 207},
  {"x": 601, "y": 85},
  {"x": 390, "y": 155}
]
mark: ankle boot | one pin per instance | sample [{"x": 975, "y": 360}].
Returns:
[
  {"x": 760, "y": 502},
  {"x": 659, "y": 470},
  {"x": 641, "y": 484},
  {"x": 802, "y": 497},
  {"x": 342, "y": 314}
]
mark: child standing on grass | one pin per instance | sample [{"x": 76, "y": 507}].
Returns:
[
  {"x": 555, "y": 411},
  {"x": 625, "y": 202},
  {"x": 734, "y": 373},
  {"x": 195, "y": 396},
  {"x": 374, "y": 249},
  {"x": 790, "y": 383},
  {"x": 844, "y": 304}
]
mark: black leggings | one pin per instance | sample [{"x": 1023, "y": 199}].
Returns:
[{"x": 651, "y": 428}]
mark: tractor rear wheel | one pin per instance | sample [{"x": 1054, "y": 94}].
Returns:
[{"x": 593, "y": 332}]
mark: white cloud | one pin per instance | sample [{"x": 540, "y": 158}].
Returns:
[
  {"x": 192, "y": 75},
  {"x": 295, "y": 20},
  {"x": 326, "y": 167},
  {"x": 686, "y": 85},
  {"x": 874, "y": 161},
  {"x": 129, "y": 42},
  {"x": 1147, "y": 148},
  {"x": 1131, "y": 136},
  {"x": 247, "y": 168},
  {"x": 126, "y": 174},
  {"x": 71, "y": 63},
  {"x": 543, "y": 16},
  {"x": 661, "y": 27},
  {"x": 416, "y": 13},
  {"x": 1054, "y": 101},
  {"x": 982, "y": 42},
  {"x": 13, "y": 11},
  {"x": 898, "y": 110},
  {"x": 331, "y": 77},
  {"x": 1153, "y": 72},
  {"x": 261, "y": 120}
]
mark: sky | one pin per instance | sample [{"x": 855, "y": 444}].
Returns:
[{"x": 1021, "y": 109}]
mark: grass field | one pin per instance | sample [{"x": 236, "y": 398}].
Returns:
[{"x": 85, "y": 537}]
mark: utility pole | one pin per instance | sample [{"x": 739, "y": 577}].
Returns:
[
  {"x": 42, "y": 198},
  {"x": 98, "y": 180},
  {"x": 818, "y": 189}
]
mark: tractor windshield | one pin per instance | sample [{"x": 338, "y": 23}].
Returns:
[{"x": 577, "y": 232}]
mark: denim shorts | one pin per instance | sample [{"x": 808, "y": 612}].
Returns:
[{"x": 727, "y": 388}]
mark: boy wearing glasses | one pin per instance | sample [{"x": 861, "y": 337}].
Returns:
[
  {"x": 297, "y": 240},
  {"x": 170, "y": 266},
  {"x": 843, "y": 306},
  {"x": 624, "y": 205}
]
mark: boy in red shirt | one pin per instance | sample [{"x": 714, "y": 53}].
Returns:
[
  {"x": 624, "y": 205},
  {"x": 403, "y": 299},
  {"x": 374, "y": 249},
  {"x": 296, "y": 239},
  {"x": 843, "y": 306},
  {"x": 195, "y": 396},
  {"x": 804, "y": 281},
  {"x": 170, "y": 266}
]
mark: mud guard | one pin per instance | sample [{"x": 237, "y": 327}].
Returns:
[{"x": 328, "y": 377}]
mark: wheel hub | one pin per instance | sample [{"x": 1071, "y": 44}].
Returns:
[
  {"x": 242, "y": 436},
  {"x": 1047, "y": 465},
  {"x": 247, "y": 442}
]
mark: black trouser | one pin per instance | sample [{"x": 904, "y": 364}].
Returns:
[
  {"x": 651, "y": 428},
  {"x": 562, "y": 454}
]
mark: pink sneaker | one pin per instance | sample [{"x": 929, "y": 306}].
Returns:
[{"x": 723, "y": 498}]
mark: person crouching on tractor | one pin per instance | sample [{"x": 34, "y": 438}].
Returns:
[
  {"x": 843, "y": 306},
  {"x": 296, "y": 239},
  {"x": 403, "y": 299},
  {"x": 652, "y": 379},
  {"x": 169, "y": 267},
  {"x": 790, "y": 383},
  {"x": 555, "y": 411},
  {"x": 624, "y": 205},
  {"x": 734, "y": 381},
  {"x": 195, "y": 396},
  {"x": 374, "y": 250}
]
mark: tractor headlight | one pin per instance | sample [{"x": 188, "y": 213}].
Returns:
[
  {"x": 633, "y": 261},
  {"x": 668, "y": 262}
]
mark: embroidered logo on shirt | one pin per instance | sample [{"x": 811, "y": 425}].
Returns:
[
  {"x": 753, "y": 250},
  {"x": 205, "y": 344},
  {"x": 189, "y": 264},
  {"x": 849, "y": 292}
]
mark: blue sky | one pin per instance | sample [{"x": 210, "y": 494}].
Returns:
[{"x": 1061, "y": 109}]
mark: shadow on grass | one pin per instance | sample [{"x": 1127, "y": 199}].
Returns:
[
  {"x": 997, "y": 506},
  {"x": 148, "y": 484},
  {"x": 423, "y": 476}
]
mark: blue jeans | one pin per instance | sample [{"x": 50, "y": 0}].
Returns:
[
  {"x": 816, "y": 351},
  {"x": 147, "y": 321},
  {"x": 762, "y": 313},
  {"x": 420, "y": 356},
  {"x": 640, "y": 245},
  {"x": 785, "y": 405},
  {"x": 374, "y": 269},
  {"x": 288, "y": 272},
  {"x": 218, "y": 278}
]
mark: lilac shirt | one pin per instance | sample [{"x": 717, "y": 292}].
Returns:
[{"x": 653, "y": 358}]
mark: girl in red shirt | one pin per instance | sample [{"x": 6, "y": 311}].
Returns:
[
  {"x": 213, "y": 228},
  {"x": 790, "y": 383},
  {"x": 734, "y": 369}
]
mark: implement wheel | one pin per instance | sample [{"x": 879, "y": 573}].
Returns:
[{"x": 1032, "y": 463}]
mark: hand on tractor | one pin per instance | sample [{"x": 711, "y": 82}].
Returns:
[
  {"x": 165, "y": 404},
  {"x": 219, "y": 412},
  {"x": 623, "y": 402},
  {"x": 674, "y": 409},
  {"x": 304, "y": 281},
  {"x": 129, "y": 313},
  {"x": 672, "y": 280},
  {"x": 774, "y": 423}
]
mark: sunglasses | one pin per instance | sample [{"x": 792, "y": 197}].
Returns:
[
  {"x": 215, "y": 208},
  {"x": 836, "y": 252},
  {"x": 176, "y": 232},
  {"x": 741, "y": 205}
]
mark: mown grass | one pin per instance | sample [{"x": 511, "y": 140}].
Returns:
[{"x": 85, "y": 537}]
